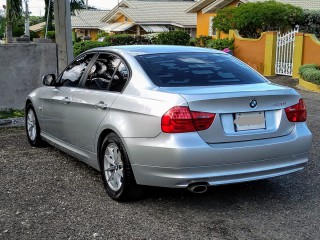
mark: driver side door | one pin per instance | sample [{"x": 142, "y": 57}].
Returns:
[{"x": 59, "y": 100}]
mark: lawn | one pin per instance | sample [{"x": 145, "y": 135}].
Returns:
[{"x": 11, "y": 113}]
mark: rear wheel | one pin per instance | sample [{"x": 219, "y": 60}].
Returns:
[
  {"x": 116, "y": 170},
  {"x": 32, "y": 127}
]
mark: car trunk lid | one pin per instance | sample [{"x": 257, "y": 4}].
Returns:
[{"x": 243, "y": 112}]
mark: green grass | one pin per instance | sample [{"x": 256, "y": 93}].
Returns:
[{"x": 11, "y": 113}]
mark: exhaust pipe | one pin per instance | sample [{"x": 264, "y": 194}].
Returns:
[{"x": 198, "y": 187}]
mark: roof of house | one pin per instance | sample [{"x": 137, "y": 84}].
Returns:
[
  {"x": 212, "y": 5},
  {"x": 37, "y": 27},
  {"x": 88, "y": 19},
  {"x": 151, "y": 12}
]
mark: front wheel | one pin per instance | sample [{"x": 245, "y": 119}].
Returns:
[
  {"x": 116, "y": 170},
  {"x": 32, "y": 127}
]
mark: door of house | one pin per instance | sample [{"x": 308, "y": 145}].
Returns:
[{"x": 285, "y": 51}]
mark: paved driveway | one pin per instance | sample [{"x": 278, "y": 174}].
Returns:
[{"x": 45, "y": 194}]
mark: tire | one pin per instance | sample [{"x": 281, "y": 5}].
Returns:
[
  {"x": 116, "y": 171},
  {"x": 32, "y": 127}
]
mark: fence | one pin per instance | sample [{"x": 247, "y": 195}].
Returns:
[{"x": 285, "y": 58}]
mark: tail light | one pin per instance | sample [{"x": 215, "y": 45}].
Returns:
[
  {"x": 180, "y": 119},
  {"x": 297, "y": 113}
]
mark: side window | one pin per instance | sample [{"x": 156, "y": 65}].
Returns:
[
  {"x": 120, "y": 78},
  {"x": 101, "y": 73},
  {"x": 72, "y": 75}
]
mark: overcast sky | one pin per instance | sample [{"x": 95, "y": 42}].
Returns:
[{"x": 37, "y": 6}]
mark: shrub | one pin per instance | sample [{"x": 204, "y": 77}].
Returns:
[
  {"x": 120, "y": 39},
  {"x": 251, "y": 19},
  {"x": 102, "y": 34},
  {"x": 310, "y": 22},
  {"x": 83, "y": 46},
  {"x": 127, "y": 39},
  {"x": 173, "y": 38},
  {"x": 51, "y": 35},
  {"x": 202, "y": 40},
  {"x": 310, "y": 73},
  {"x": 220, "y": 44}
]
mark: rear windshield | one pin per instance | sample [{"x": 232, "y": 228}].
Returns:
[{"x": 197, "y": 69}]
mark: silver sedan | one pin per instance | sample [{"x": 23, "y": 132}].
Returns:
[{"x": 169, "y": 116}]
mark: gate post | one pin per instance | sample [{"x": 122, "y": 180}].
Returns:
[
  {"x": 297, "y": 54},
  {"x": 270, "y": 54}
]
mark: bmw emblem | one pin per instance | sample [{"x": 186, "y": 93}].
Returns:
[{"x": 253, "y": 103}]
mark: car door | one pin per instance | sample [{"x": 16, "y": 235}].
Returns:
[
  {"x": 58, "y": 102},
  {"x": 91, "y": 103}
]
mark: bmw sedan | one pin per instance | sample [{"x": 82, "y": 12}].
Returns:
[{"x": 169, "y": 116}]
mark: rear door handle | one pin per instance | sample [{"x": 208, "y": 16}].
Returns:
[
  {"x": 101, "y": 105},
  {"x": 66, "y": 100}
]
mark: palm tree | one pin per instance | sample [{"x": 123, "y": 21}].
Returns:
[
  {"x": 74, "y": 4},
  {"x": 13, "y": 12}
]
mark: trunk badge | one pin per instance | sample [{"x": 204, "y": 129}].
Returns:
[{"x": 253, "y": 103}]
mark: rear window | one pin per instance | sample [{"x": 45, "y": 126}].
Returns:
[{"x": 197, "y": 69}]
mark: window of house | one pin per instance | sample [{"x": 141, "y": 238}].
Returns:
[
  {"x": 73, "y": 73},
  {"x": 171, "y": 28},
  {"x": 187, "y": 30},
  {"x": 212, "y": 32}
]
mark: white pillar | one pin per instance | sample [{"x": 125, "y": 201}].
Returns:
[
  {"x": 63, "y": 33},
  {"x": 26, "y": 21}
]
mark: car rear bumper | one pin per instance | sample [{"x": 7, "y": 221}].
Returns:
[{"x": 178, "y": 160}]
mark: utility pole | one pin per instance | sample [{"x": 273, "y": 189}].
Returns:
[
  {"x": 26, "y": 21},
  {"x": 62, "y": 21},
  {"x": 86, "y": 4}
]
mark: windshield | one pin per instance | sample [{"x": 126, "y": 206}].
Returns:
[{"x": 197, "y": 69}]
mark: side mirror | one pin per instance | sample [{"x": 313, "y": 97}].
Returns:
[{"x": 49, "y": 80}]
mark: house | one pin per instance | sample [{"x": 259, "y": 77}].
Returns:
[
  {"x": 206, "y": 11},
  {"x": 84, "y": 23},
  {"x": 142, "y": 17},
  {"x": 88, "y": 22}
]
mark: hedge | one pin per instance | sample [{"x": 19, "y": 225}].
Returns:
[
  {"x": 83, "y": 46},
  {"x": 173, "y": 38},
  {"x": 220, "y": 44},
  {"x": 310, "y": 73},
  {"x": 167, "y": 38},
  {"x": 310, "y": 22}
]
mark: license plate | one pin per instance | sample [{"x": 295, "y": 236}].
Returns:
[{"x": 250, "y": 121}]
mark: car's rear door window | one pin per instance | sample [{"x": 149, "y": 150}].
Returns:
[{"x": 197, "y": 69}]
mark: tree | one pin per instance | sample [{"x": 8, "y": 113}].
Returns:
[
  {"x": 251, "y": 19},
  {"x": 74, "y": 4},
  {"x": 13, "y": 13}
]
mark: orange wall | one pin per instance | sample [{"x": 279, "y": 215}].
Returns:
[
  {"x": 203, "y": 21},
  {"x": 311, "y": 50},
  {"x": 251, "y": 51}
]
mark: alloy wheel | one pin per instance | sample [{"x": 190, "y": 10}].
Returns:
[{"x": 113, "y": 167}]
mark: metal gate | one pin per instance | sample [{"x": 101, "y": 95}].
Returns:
[{"x": 284, "y": 55}]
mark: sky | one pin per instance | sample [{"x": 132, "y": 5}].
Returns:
[{"x": 37, "y": 6}]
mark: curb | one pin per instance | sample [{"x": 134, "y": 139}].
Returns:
[
  {"x": 12, "y": 122},
  {"x": 309, "y": 86}
]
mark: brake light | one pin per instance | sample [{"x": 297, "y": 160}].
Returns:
[
  {"x": 180, "y": 119},
  {"x": 297, "y": 113}
]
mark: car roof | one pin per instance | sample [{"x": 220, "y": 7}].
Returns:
[{"x": 136, "y": 50}]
